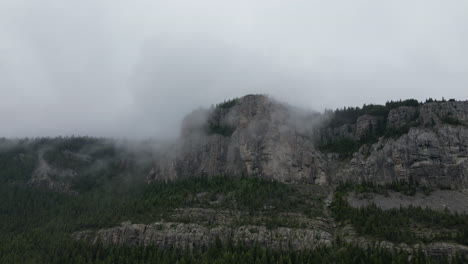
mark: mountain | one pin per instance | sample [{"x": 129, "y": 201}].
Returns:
[
  {"x": 250, "y": 179},
  {"x": 257, "y": 136},
  {"x": 251, "y": 136}
]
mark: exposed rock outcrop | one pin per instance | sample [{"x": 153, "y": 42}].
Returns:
[
  {"x": 266, "y": 141},
  {"x": 366, "y": 125},
  {"x": 402, "y": 116},
  {"x": 193, "y": 235},
  {"x": 429, "y": 156},
  {"x": 432, "y": 114},
  {"x": 48, "y": 177},
  {"x": 257, "y": 136}
]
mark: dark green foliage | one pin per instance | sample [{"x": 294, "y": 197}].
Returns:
[
  {"x": 16, "y": 166},
  {"x": 224, "y": 130},
  {"x": 398, "y": 225},
  {"x": 36, "y": 225},
  {"x": 244, "y": 194},
  {"x": 228, "y": 104},
  {"x": 430, "y": 100},
  {"x": 349, "y": 115},
  {"x": 95, "y": 160},
  {"x": 345, "y": 147},
  {"x": 408, "y": 102},
  {"x": 54, "y": 151},
  {"x": 216, "y": 123},
  {"x": 19, "y": 158},
  {"x": 338, "y": 254},
  {"x": 393, "y": 132}
]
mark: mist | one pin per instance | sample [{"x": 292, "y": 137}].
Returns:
[{"x": 134, "y": 69}]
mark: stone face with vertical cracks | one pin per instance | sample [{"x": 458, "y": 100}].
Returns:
[
  {"x": 264, "y": 143},
  {"x": 271, "y": 140},
  {"x": 193, "y": 235},
  {"x": 401, "y": 116},
  {"x": 432, "y": 157}
]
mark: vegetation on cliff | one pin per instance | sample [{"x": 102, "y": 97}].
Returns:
[
  {"x": 399, "y": 225},
  {"x": 349, "y": 115},
  {"x": 36, "y": 225},
  {"x": 346, "y": 145}
]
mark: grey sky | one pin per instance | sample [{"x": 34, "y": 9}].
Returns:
[{"x": 135, "y": 68}]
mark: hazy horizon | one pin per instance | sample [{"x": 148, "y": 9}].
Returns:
[{"x": 135, "y": 69}]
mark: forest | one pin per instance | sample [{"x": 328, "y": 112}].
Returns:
[{"x": 36, "y": 225}]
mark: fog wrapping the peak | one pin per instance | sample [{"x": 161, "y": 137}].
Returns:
[{"x": 136, "y": 68}]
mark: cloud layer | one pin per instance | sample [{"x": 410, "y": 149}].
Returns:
[{"x": 135, "y": 68}]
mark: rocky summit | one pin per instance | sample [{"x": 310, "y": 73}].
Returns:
[
  {"x": 260, "y": 137},
  {"x": 251, "y": 136}
]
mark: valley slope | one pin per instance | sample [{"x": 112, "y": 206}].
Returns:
[{"x": 251, "y": 171}]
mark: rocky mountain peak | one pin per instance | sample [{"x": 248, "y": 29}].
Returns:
[
  {"x": 250, "y": 136},
  {"x": 257, "y": 136}
]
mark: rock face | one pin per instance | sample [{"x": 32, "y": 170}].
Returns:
[
  {"x": 401, "y": 116},
  {"x": 256, "y": 136},
  {"x": 437, "y": 113},
  {"x": 266, "y": 141},
  {"x": 193, "y": 235},
  {"x": 430, "y": 156},
  {"x": 366, "y": 124}
]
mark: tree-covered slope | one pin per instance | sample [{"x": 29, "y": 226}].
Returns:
[{"x": 39, "y": 226}]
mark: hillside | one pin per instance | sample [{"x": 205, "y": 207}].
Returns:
[{"x": 248, "y": 179}]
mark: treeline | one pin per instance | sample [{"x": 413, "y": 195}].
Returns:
[
  {"x": 227, "y": 103},
  {"x": 345, "y": 147},
  {"x": 349, "y": 115},
  {"x": 81, "y": 253},
  {"x": 215, "y": 124}
]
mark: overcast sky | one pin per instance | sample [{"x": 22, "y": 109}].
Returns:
[{"x": 135, "y": 68}]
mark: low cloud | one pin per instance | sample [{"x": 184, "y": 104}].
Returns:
[{"x": 135, "y": 69}]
